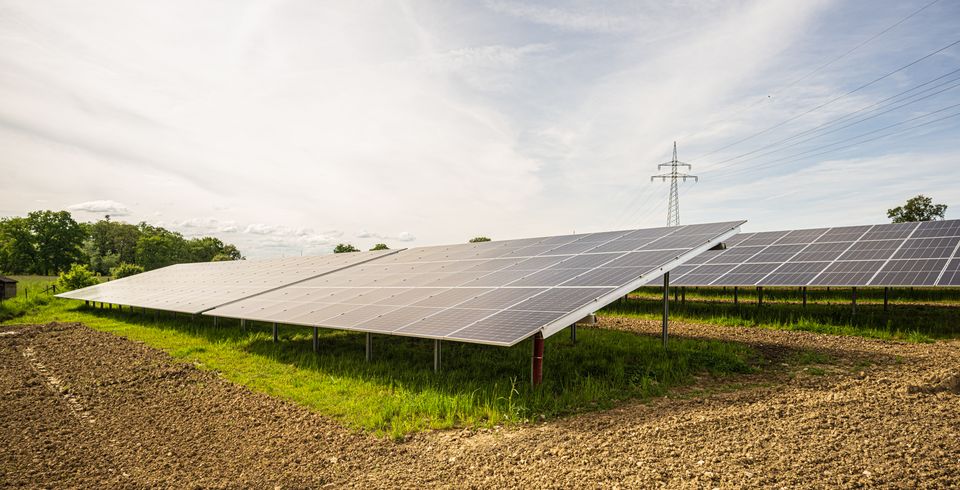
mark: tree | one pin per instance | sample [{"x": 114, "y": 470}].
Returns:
[
  {"x": 77, "y": 277},
  {"x": 57, "y": 240},
  {"x": 229, "y": 252},
  {"x": 203, "y": 249},
  {"x": 114, "y": 238},
  {"x": 17, "y": 252},
  {"x": 98, "y": 261},
  {"x": 380, "y": 246},
  {"x": 160, "y": 249},
  {"x": 344, "y": 248},
  {"x": 125, "y": 270},
  {"x": 920, "y": 208},
  {"x": 479, "y": 239}
]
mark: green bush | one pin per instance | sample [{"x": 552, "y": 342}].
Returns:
[
  {"x": 479, "y": 239},
  {"x": 125, "y": 270},
  {"x": 77, "y": 277},
  {"x": 344, "y": 248},
  {"x": 380, "y": 246}
]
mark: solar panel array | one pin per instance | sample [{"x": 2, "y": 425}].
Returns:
[
  {"x": 902, "y": 254},
  {"x": 492, "y": 293},
  {"x": 197, "y": 287}
]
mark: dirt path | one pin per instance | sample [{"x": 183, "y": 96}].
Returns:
[{"x": 84, "y": 408}]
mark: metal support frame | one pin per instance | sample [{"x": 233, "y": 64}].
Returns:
[
  {"x": 853, "y": 299},
  {"x": 804, "y": 291},
  {"x": 666, "y": 307},
  {"x": 216, "y": 321},
  {"x": 736, "y": 299},
  {"x": 316, "y": 339},
  {"x": 536, "y": 368},
  {"x": 573, "y": 333},
  {"x": 369, "y": 346},
  {"x": 243, "y": 325},
  {"x": 886, "y": 298},
  {"x": 275, "y": 333},
  {"x": 683, "y": 295},
  {"x": 759, "y": 295},
  {"x": 436, "y": 355}
]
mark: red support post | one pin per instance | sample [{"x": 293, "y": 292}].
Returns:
[{"x": 537, "y": 371}]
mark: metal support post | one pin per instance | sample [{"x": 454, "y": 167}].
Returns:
[
  {"x": 275, "y": 336},
  {"x": 573, "y": 333},
  {"x": 369, "y": 346},
  {"x": 243, "y": 325},
  {"x": 666, "y": 307},
  {"x": 86, "y": 302},
  {"x": 804, "y": 296},
  {"x": 886, "y": 298},
  {"x": 436, "y": 355},
  {"x": 683, "y": 295},
  {"x": 853, "y": 300},
  {"x": 316, "y": 339},
  {"x": 216, "y": 321},
  {"x": 735, "y": 298},
  {"x": 536, "y": 372},
  {"x": 759, "y": 295}
]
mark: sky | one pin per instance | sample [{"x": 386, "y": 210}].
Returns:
[{"x": 286, "y": 127}]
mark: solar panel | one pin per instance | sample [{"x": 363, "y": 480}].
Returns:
[
  {"x": 197, "y": 287},
  {"x": 490, "y": 292},
  {"x": 900, "y": 254}
]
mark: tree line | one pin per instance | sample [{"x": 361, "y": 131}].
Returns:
[{"x": 49, "y": 242}]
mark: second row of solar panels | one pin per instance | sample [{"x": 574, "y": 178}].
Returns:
[{"x": 902, "y": 254}]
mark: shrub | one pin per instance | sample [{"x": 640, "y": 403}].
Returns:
[
  {"x": 125, "y": 270},
  {"x": 380, "y": 246},
  {"x": 479, "y": 239},
  {"x": 344, "y": 248},
  {"x": 77, "y": 277}
]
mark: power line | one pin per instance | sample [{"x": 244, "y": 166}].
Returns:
[
  {"x": 717, "y": 166},
  {"x": 818, "y": 107},
  {"x": 832, "y": 61},
  {"x": 862, "y": 44},
  {"x": 805, "y": 154}
]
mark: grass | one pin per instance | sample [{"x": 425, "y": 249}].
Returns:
[
  {"x": 906, "y": 319},
  {"x": 30, "y": 296},
  {"x": 397, "y": 393}
]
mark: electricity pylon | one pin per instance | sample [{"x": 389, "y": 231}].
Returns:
[{"x": 673, "y": 208}]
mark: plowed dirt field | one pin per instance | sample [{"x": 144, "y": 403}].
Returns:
[{"x": 81, "y": 408}]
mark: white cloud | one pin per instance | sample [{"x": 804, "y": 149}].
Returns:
[
  {"x": 584, "y": 18},
  {"x": 284, "y": 122},
  {"x": 403, "y": 236},
  {"x": 104, "y": 206}
]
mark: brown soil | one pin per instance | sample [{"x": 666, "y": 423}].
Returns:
[{"x": 82, "y": 408}]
